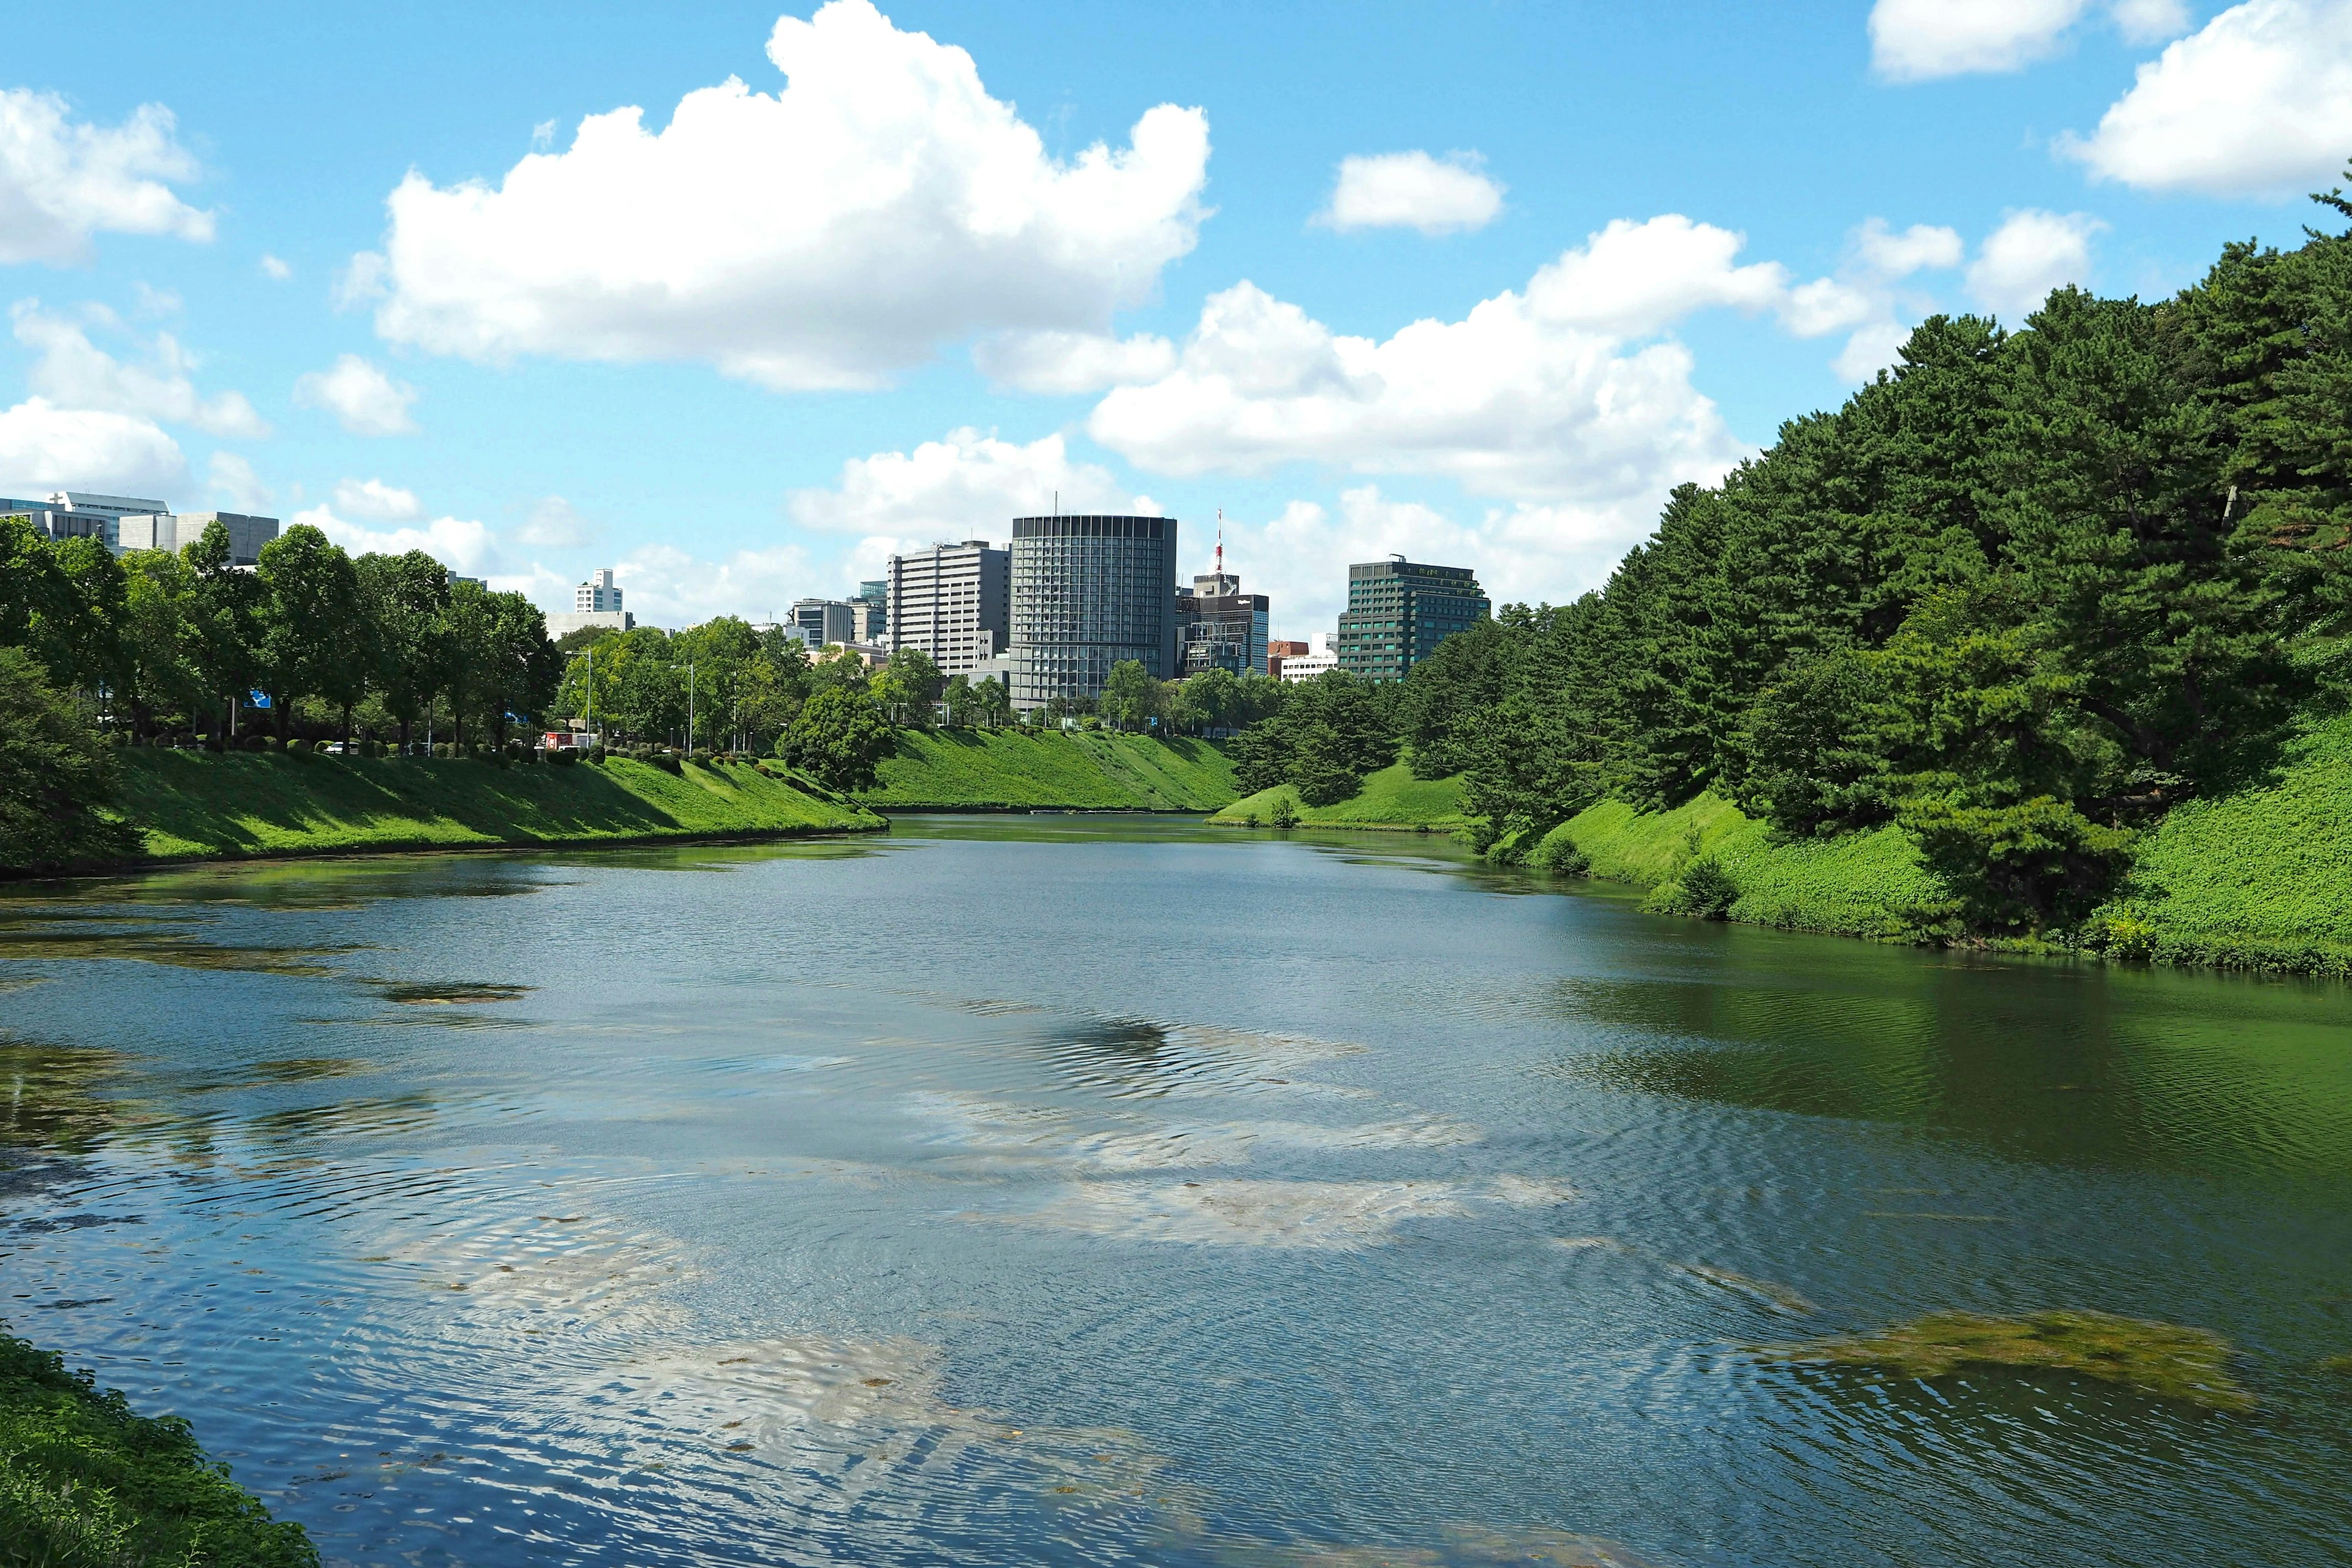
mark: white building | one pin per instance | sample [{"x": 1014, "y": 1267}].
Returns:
[
  {"x": 1322, "y": 653},
  {"x": 596, "y": 602},
  {"x": 953, "y": 602},
  {"x": 598, "y": 594},
  {"x": 827, "y": 621}
]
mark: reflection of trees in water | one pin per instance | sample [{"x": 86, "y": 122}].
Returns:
[
  {"x": 2101, "y": 1068},
  {"x": 1143, "y": 1058},
  {"x": 60, "y": 1099}
]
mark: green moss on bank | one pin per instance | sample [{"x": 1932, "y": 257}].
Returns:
[
  {"x": 1391, "y": 798},
  {"x": 86, "y": 1482},
  {"x": 1008, "y": 770},
  {"x": 196, "y": 806}
]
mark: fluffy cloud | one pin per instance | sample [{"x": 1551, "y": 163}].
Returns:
[
  {"x": 1889, "y": 256},
  {"x": 1867, "y": 300},
  {"x": 2029, "y": 255},
  {"x": 61, "y": 182},
  {"x": 822, "y": 236},
  {"x": 367, "y": 401},
  {"x": 377, "y": 502},
  {"x": 276, "y": 271},
  {"x": 1413, "y": 190},
  {"x": 233, "y": 482},
  {"x": 667, "y": 586},
  {"x": 76, "y": 374},
  {"x": 555, "y": 525},
  {"x": 44, "y": 448},
  {"x": 2257, "y": 103},
  {"x": 1072, "y": 362},
  {"x": 968, "y": 486},
  {"x": 1912, "y": 41},
  {"x": 1537, "y": 395}
]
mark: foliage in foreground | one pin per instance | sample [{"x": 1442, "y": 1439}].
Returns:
[
  {"x": 87, "y": 1482},
  {"x": 55, "y": 778},
  {"x": 2162, "y": 1359}
]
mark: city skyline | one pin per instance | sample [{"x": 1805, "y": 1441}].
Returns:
[{"x": 1469, "y": 289}]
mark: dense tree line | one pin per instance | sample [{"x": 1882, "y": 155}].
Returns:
[
  {"x": 157, "y": 644},
  {"x": 2021, "y": 595}
]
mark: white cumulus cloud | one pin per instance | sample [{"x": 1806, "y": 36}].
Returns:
[
  {"x": 822, "y": 236},
  {"x": 667, "y": 586},
  {"x": 276, "y": 271},
  {"x": 969, "y": 484},
  {"x": 2029, "y": 255},
  {"x": 1914, "y": 40},
  {"x": 1071, "y": 362},
  {"x": 44, "y": 448},
  {"x": 1413, "y": 190},
  {"x": 62, "y": 181},
  {"x": 1539, "y": 396},
  {"x": 2259, "y": 102},
  {"x": 377, "y": 502},
  {"x": 74, "y": 372},
  {"x": 235, "y": 482},
  {"x": 555, "y": 523},
  {"x": 366, "y": 400}
]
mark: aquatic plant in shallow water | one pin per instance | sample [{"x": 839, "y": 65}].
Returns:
[{"x": 2162, "y": 1359}]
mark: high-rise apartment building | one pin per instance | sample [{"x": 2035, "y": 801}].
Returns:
[
  {"x": 595, "y": 604},
  {"x": 1219, "y": 626},
  {"x": 1089, "y": 593},
  {"x": 954, "y": 602},
  {"x": 1398, "y": 612}
]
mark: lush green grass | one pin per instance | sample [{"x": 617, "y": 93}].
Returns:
[
  {"x": 2261, "y": 879},
  {"x": 980, "y": 769},
  {"x": 1391, "y": 798},
  {"x": 193, "y": 804},
  {"x": 84, "y": 1482},
  {"x": 1864, "y": 884}
]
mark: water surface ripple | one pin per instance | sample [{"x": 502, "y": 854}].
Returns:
[{"x": 1127, "y": 1191}]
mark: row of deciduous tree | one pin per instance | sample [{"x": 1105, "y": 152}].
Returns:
[
  {"x": 154, "y": 641},
  {"x": 2021, "y": 595}
]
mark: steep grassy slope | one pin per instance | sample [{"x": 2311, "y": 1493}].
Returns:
[
  {"x": 2259, "y": 879},
  {"x": 1865, "y": 884},
  {"x": 1391, "y": 798},
  {"x": 192, "y": 804},
  {"x": 978, "y": 770}
]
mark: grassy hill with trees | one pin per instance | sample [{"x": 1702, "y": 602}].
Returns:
[
  {"x": 1027, "y": 769},
  {"x": 1390, "y": 798}
]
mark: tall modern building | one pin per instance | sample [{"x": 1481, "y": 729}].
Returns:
[
  {"x": 1219, "y": 626},
  {"x": 57, "y": 521},
  {"x": 954, "y": 602},
  {"x": 874, "y": 594},
  {"x": 1088, "y": 593},
  {"x": 595, "y": 604},
  {"x": 825, "y": 621},
  {"x": 598, "y": 594},
  {"x": 1399, "y": 612}
]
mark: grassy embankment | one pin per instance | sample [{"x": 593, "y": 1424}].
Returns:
[
  {"x": 84, "y": 1482},
  {"x": 195, "y": 806},
  {"x": 1391, "y": 799},
  {"x": 1008, "y": 770},
  {"x": 2261, "y": 879}
]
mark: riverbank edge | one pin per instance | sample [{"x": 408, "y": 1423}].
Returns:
[
  {"x": 1389, "y": 801},
  {"x": 86, "y": 1478}
]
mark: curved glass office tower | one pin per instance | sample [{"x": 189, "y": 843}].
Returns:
[{"x": 1088, "y": 592}]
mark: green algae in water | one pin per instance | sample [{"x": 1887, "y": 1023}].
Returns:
[
  {"x": 2162, "y": 1359},
  {"x": 449, "y": 995}
]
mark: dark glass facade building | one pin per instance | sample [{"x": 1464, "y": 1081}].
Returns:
[
  {"x": 1088, "y": 592},
  {"x": 1399, "y": 612},
  {"x": 1218, "y": 626}
]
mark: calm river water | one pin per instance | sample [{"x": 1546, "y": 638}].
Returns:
[{"x": 1070, "y": 1190}]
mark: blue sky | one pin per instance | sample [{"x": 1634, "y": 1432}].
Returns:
[{"x": 1581, "y": 253}]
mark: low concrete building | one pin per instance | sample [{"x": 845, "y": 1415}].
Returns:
[
  {"x": 1278, "y": 650},
  {"x": 1324, "y": 654},
  {"x": 563, "y": 623}
]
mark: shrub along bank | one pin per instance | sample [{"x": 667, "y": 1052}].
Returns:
[
  {"x": 86, "y": 1482},
  {"x": 1051, "y": 770},
  {"x": 2259, "y": 879},
  {"x": 195, "y": 805}
]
